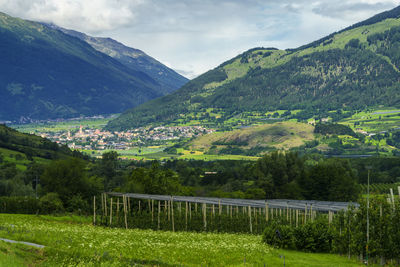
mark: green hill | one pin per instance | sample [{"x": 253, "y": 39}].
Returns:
[
  {"x": 352, "y": 69},
  {"x": 27, "y": 147},
  {"x": 45, "y": 74},
  {"x": 256, "y": 140}
]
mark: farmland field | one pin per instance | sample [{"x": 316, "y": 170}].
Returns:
[
  {"x": 74, "y": 242},
  {"x": 63, "y": 125}
]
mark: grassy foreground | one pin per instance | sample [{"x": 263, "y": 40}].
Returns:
[{"x": 74, "y": 242}]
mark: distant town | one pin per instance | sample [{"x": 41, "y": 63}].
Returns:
[{"x": 96, "y": 139}]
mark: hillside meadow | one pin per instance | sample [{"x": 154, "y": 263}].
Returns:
[{"x": 73, "y": 241}]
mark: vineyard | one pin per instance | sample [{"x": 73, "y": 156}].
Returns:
[
  {"x": 336, "y": 230},
  {"x": 207, "y": 214}
]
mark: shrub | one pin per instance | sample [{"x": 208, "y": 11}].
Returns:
[
  {"x": 78, "y": 204},
  {"x": 278, "y": 235},
  {"x": 314, "y": 236},
  {"x": 51, "y": 203},
  {"x": 27, "y": 205}
]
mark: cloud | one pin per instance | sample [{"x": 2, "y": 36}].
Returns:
[
  {"x": 90, "y": 16},
  {"x": 194, "y": 36},
  {"x": 351, "y": 9}
]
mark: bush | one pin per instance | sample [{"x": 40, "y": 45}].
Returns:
[
  {"x": 51, "y": 203},
  {"x": 278, "y": 235},
  {"x": 314, "y": 236},
  {"x": 78, "y": 205},
  {"x": 25, "y": 205}
]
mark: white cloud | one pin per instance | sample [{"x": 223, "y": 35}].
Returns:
[
  {"x": 194, "y": 36},
  {"x": 87, "y": 15}
]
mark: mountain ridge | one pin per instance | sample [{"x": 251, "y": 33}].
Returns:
[
  {"x": 47, "y": 74},
  {"x": 133, "y": 58}
]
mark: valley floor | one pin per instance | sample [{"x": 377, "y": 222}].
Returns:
[{"x": 73, "y": 241}]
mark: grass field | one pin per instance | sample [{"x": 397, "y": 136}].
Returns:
[
  {"x": 63, "y": 126},
  {"x": 74, "y": 242},
  {"x": 17, "y": 255},
  {"x": 19, "y": 158},
  {"x": 374, "y": 121},
  {"x": 280, "y": 135}
]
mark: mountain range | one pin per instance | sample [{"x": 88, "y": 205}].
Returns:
[
  {"x": 353, "y": 69},
  {"x": 133, "y": 58},
  {"x": 46, "y": 74}
]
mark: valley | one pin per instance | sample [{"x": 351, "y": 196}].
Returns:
[
  {"x": 108, "y": 157},
  {"x": 244, "y": 136}
]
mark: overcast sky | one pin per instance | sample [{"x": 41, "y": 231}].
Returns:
[{"x": 193, "y": 36}]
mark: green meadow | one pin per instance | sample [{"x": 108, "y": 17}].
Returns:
[{"x": 75, "y": 242}]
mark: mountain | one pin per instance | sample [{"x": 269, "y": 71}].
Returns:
[
  {"x": 45, "y": 73},
  {"x": 133, "y": 58},
  {"x": 355, "y": 68}
]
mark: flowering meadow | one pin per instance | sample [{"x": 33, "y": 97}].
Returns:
[{"x": 70, "y": 242}]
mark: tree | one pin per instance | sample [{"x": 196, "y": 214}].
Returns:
[
  {"x": 109, "y": 169},
  {"x": 153, "y": 181},
  {"x": 276, "y": 170},
  {"x": 332, "y": 179},
  {"x": 68, "y": 178}
]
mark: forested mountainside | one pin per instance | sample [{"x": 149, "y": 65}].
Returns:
[
  {"x": 45, "y": 74},
  {"x": 135, "y": 59},
  {"x": 352, "y": 69}
]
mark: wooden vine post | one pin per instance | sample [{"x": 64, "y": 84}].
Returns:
[
  {"x": 392, "y": 197},
  {"x": 251, "y": 226},
  {"x": 172, "y": 211},
  {"x": 205, "y": 216},
  {"x": 158, "y": 215},
  {"x": 169, "y": 210},
  {"x": 186, "y": 215},
  {"x": 287, "y": 212},
  {"x": 305, "y": 214},
  {"x": 94, "y": 210},
  {"x": 102, "y": 206},
  {"x": 117, "y": 212},
  {"x": 105, "y": 205},
  {"x": 152, "y": 210},
  {"x": 125, "y": 211},
  {"x": 111, "y": 211}
]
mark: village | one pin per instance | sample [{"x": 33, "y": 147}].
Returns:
[{"x": 97, "y": 139}]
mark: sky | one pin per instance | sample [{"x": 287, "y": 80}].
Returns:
[{"x": 193, "y": 36}]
